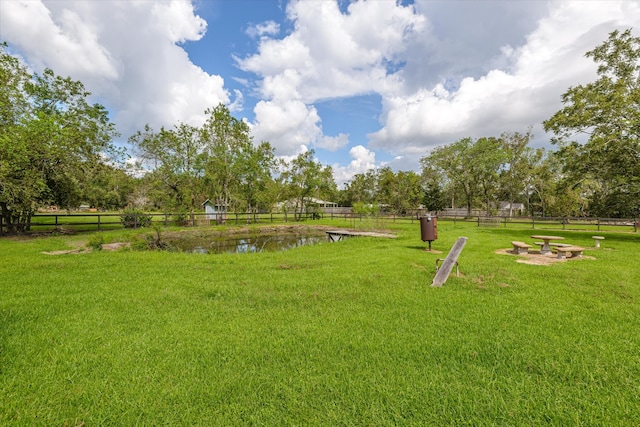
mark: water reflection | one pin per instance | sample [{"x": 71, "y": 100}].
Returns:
[{"x": 246, "y": 243}]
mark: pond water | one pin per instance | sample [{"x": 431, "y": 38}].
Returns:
[{"x": 244, "y": 243}]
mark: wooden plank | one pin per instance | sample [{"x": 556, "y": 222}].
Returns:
[
  {"x": 348, "y": 233},
  {"x": 443, "y": 273}
]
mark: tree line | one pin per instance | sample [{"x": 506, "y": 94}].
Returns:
[{"x": 56, "y": 148}]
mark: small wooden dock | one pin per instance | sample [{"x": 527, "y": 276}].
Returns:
[{"x": 337, "y": 235}]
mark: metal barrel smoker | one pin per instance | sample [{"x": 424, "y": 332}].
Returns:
[{"x": 428, "y": 229}]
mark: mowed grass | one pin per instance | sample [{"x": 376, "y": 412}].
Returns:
[{"x": 344, "y": 333}]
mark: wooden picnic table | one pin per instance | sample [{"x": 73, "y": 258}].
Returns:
[{"x": 546, "y": 249}]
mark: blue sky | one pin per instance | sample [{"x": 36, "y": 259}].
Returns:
[{"x": 366, "y": 84}]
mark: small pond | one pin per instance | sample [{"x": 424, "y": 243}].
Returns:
[{"x": 244, "y": 243}]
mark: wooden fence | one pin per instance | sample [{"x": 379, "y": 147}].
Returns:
[
  {"x": 105, "y": 221},
  {"x": 45, "y": 222},
  {"x": 551, "y": 223}
]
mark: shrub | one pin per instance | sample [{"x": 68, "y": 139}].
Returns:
[{"x": 96, "y": 241}]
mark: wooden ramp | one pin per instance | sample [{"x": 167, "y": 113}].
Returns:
[
  {"x": 337, "y": 235},
  {"x": 443, "y": 273}
]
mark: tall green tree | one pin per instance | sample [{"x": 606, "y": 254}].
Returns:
[
  {"x": 175, "y": 160},
  {"x": 607, "y": 111},
  {"x": 106, "y": 186},
  {"x": 451, "y": 163},
  {"x": 543, "y": 173},
  {"x": 361, "y": 189},
  {"x": 216, "y": 161},
  {"x": 305, "y": 178},
  {"x": 458, "y": 164},
  {"x": 49, "y": 134},
  {"x": 434, "y": 197},
  {"x": 227, "y": 143},
  {"x": 257, "y": 165},
  {"x": 518, "y": 167},
  {"x": 401, "y": 191},
  {"x": 486, "y": 158}
]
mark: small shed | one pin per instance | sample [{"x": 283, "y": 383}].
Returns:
[{"x": 215, "y": 211}]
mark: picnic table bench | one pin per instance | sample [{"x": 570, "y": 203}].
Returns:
[
  {"x": 520, "y": 248},
  {"x": 597, "y": 239},
  {"x": 576, "y": 251}
]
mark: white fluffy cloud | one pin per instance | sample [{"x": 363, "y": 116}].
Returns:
[
  {"x": 328, "y": 54},
  {"x": 363, "y": 159},
  {"x": 268, "y": 28},
  {"x": 125, "y": 52},
  {"x": 333, "y": 143},
  {"x": 525, "y": 92},
  {"x": 65, "y": 41},
  {"x": 331, "y": 53},
  {"x": 291, "y": 123}
]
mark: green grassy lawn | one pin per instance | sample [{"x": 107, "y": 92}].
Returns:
[{"x": 344, "y": 333}]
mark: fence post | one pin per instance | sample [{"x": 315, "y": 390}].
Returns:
[
  {"x": 98, "y": 222},
  {"x": 1, "y": 233},
  {"x": 598, "y": 222},
  {"x": 135, "y": 220},
  {"x": 533, "y": 222}
]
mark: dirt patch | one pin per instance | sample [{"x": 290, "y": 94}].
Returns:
[
  {"x": 536, "y": 258},
  {"x": 110, "y": 247},
  {"x": 72, "y": 251},
  {"x": 79, "y": 247}
]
